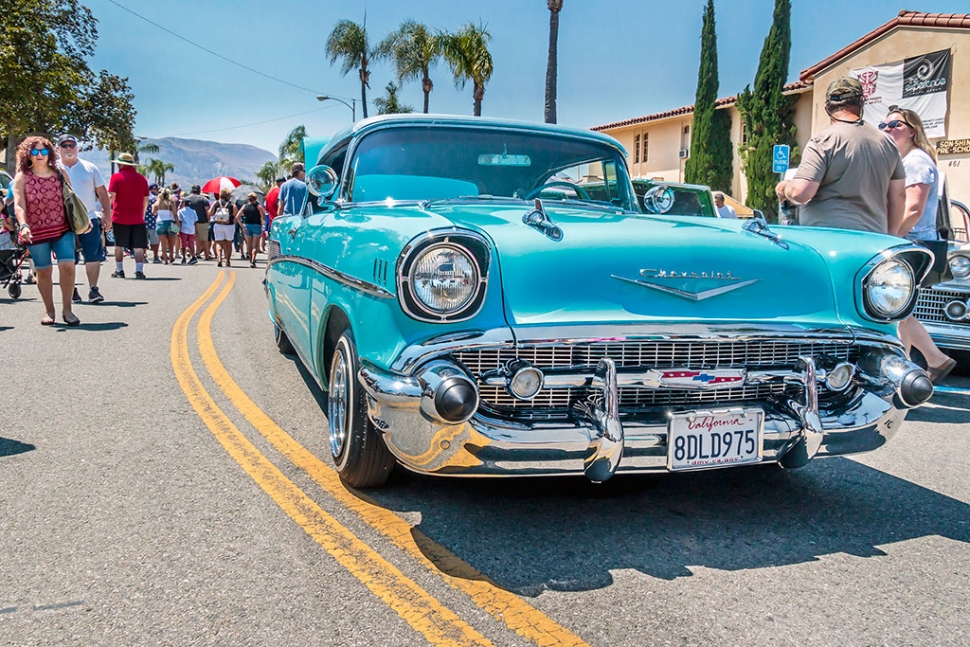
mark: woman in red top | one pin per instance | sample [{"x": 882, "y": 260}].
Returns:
[{"x": 43, "y": 227}]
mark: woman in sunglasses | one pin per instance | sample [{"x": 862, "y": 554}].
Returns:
[
  {"x": 919, "y": 218},
  {"x": 42, "y": 223}
]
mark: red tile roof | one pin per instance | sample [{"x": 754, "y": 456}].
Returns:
[
  {"x": 686, "y": 110},
  {"x": 905, "y": 18}
]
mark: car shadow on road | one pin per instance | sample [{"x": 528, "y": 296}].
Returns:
[
  {"x": 10, "y": 447},
  {"x": 943, "y": 408},
  {"x": 566, "y": 534},
  {"x": 318, "y": 394}
]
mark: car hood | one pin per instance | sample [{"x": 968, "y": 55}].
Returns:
[{"x": 629, "y": 268}]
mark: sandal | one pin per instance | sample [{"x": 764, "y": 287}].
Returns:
[
  {"x": 48, "y": 320},
  {"x": 71, "y": 319},
  {"x": 937, "y": 374}
]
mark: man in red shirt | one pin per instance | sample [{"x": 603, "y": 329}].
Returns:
[
  {"x": 128, "y": 191},
  {"x": 272, "y": 198}
]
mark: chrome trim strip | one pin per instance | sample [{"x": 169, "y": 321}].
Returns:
[{"x": 336, "y": 275}]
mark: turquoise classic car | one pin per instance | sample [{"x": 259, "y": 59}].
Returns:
[{"x": 473, "y": 308}]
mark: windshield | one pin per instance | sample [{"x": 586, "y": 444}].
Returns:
[{"x": 435, "y": 162}]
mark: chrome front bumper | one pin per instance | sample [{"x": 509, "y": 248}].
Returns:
[{"x": 600, "y": 440}]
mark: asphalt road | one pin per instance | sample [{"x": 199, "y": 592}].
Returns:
[{"x": 140, "y": 505}]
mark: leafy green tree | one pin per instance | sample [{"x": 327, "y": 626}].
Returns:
[
  {"x": 467, "y": 54},
  {"x": 389, "y": 103},
  {"x": 767, "y": 114},
  {"x": 348, "y": 41},
  {"x": 291, "y": 150},
  {"x": 552, "y": 60},
  {"x": 46, "y": 84},
  {"x": 414, "y": 51},
  {"x": 159, "y": 169},
  {"x": 710, "y": 160}
]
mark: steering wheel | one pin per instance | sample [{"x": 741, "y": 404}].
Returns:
[{"x": 580, "y": 191}]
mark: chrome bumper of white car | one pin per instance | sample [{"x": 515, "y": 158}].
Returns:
[{"x": 433, "y": 421}]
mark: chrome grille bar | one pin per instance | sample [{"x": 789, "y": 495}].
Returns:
[{"x": 929, "y": 306}]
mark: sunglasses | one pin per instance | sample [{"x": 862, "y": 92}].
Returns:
[
  {"x": 67, "y": 145},
  {"x": 34, "y": 152},
  {"x": 892, "y": 125}
]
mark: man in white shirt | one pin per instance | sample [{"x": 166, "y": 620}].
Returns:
[
  {"x": 89, "y": 186},
  {"x": 724, "y": 210}
]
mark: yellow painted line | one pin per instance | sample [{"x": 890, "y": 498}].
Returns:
[
  {"x": 516, "y": 613},
  {"x": 438, "y": 624}
]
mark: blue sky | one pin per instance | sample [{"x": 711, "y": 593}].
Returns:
[{"x": 617, "y": 58}]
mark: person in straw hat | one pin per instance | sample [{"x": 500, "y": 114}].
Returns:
[{"x": 128, "y": 190}]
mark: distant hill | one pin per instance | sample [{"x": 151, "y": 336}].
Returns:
[{"x": 196, "y": 160}]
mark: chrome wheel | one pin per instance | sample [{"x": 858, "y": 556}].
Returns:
[{"x": 338, "y": 402}]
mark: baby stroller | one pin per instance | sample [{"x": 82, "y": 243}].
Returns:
[{"x": 11, "y": 259}]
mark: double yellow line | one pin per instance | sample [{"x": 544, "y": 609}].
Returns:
[{"x": 425, "y": 614}]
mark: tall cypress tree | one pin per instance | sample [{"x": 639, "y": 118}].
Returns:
[
  {"x": 767, "y": 114},
  {"x": 710, "y": 160}
]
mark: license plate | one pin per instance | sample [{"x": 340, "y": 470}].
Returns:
[{"x": 703, "y": 439}]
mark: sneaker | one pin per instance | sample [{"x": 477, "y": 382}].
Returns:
[
  {"x": 193, "y": 260},
  {"x": 157, "y": 261},
  {"x": 140, "y": 275},
  {"x": 183, "y": 261},
  {"x": 94, "y": 295},
  {"x": 119, "y": 274},
  {"x": 77, "y": 297},
  {"x": 31, "y": 279}
]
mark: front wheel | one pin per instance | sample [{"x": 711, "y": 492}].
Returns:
[
  {"x": 282, "y": 341},
  {"x": 359, "y": 454}
]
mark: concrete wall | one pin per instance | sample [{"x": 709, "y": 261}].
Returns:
[{"x": 665, "y": 142}]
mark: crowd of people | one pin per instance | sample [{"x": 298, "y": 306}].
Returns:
[{"x": 134, "y": 215}]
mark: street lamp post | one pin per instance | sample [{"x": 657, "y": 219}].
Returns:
[{"x": 352, "y": 105}]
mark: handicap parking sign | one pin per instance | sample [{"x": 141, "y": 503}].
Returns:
[{"x": 780, "y": 159}]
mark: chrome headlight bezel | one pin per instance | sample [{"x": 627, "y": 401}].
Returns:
[
  {"x": 912, "y": 259},
  {"x": 469, "y": 244},
  {"x": 963, "y": 260}
]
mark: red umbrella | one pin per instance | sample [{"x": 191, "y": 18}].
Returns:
[{"x": 217, "y": 184}]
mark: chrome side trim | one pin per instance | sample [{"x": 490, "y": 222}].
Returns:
[{"x": 335, "y": 275}]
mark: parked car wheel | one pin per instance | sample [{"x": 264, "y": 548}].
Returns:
[
  {"x": 358, "y": 451},
  {"x": 282, "y": 341}
]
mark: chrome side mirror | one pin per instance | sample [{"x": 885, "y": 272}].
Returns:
[{"x": 322, "y": 181}]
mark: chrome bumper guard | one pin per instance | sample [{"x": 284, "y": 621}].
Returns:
[{"x": 432, "y": 423}]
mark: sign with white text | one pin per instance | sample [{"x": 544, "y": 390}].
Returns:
[{"x": 779, "y": 158}]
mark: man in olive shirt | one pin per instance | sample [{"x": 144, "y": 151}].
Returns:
[{"x": 851, "y": 175}]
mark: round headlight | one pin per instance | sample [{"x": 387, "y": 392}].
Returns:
[
  {"x": 890, "y": 288},
  {"x": 960, "y": 266},
  {"x": 444, "y": 279}
]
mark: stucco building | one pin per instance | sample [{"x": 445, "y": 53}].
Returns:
[{"x": 659, "y": 144}]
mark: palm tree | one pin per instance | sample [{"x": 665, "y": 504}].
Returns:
[
  {"x": 291, "y": 150},
  {"x": 414, "y": 51},
  {"x": 552, "y": 62},
  {"x": 389, "y": 104},
  {"x": 158, "y": 169},
  {"x": 348, "y": 41},
  {"x": 268, "y": 173},
  {"x": 146, "y": 147},
  {"x": 467, "y": 53}
]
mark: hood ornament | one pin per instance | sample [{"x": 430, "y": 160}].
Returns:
[
  {"x": 539, "y": 220},
  {"x": 693, "y": 286}
]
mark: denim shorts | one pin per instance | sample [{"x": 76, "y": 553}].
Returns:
[
  {"x": 253, "y": 230},
  {"x": 152, "y": 236},
  {"x": 63, "y": 248},
  {"x": 92, "y": 243},
  {"x": 167, "y": 228}
]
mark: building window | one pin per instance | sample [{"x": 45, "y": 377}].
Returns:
[
  {"x": 636, "y": 149},
  {"x": 744, "y": 135},
  {"x": 646, "y": 147},
  {"x": 685, "y": 140}
]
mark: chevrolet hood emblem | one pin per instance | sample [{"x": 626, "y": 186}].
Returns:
[{"x": 693, "y": 286}]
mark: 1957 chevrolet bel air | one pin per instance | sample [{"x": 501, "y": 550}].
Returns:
[{"x": 486, "y": 298}]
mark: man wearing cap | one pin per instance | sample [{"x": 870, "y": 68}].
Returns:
[
  {"x": 201, "y": 208},
  {"x": 128, "y": 190},
  {"x": 293, "y": 193},
  {"x": 88, "y": 184},
  {"x": 851, "y": 175}
]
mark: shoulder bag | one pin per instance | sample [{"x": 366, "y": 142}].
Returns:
[{"x": 74, "y": 209}]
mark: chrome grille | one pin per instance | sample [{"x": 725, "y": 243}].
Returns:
[
  {"x": 929, "y": 306},
  {"x": 663, "y": 354}
]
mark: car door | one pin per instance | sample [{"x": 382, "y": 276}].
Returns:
[{"x": 294, "y": 279}]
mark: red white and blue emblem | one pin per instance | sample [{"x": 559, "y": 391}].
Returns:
[{"x": 714, "y": 378}]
